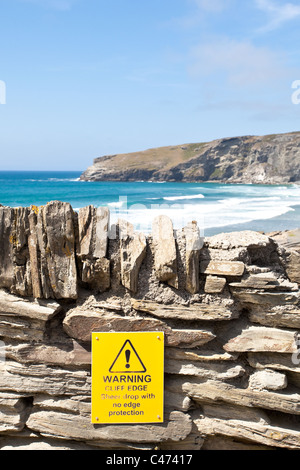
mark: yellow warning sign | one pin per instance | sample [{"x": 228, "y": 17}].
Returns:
[{"x": 127, "y": 377}]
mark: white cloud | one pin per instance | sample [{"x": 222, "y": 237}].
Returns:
[
  {"x": 239, "y": 63},
  {"x": 278, "y": 14}
]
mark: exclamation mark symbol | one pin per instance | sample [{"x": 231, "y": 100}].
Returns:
[{"x": 127, "y": 355}]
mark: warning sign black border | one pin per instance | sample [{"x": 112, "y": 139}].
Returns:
[{"x": 132, "y": 371}]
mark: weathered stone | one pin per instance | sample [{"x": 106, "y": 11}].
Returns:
[
  {"x": 192, "y": 442},
  {"x": 201, "y": 356},
  {"x": 73, "y": 404},
  {"x": 267, "y": 380},
  {"x": 33, "y": 248},
  {"x": 265, "y": 281},
  {"x": 275, "y": 361},
  {"x": 187, "y": 338},
  {"x": 293, "y": 267},
  {"x": 22, "y": 284},
  {"x": 165, "y": 256},
  {"x": 14, "y": 261},
  {"x": 177, "y": 401},
  {"x": 52, "y": 242},
  {"x": 40, "y": 378},
  {"x": 133, "y": 251},
  {"x": 78, "y": 427},
  {"x": 288, "y": 239},
  {"x": 194, "y": 244},
  {"x": 214, "y": 285},
  {"x": 33, "y": 442},
  {"x": 240, "y": 239},
  {"x": 70, "y": 353},
  {"x": 93, "y": 226},
  {"x": 212, "y": 391},
  {"x": 40, "y": 253},
  {"x": 222, "y": 268},
  {"x": 251, "y": 432},
  {"x": 23, "y": 318},
  {"x": 59, "y": 229},
  {"x": 13, "y": 412},
  {"x": 6, "y": 239},
  {"x": 80, "y": 324},
  {"x": 261, "y": 339},
  {"x": 96, "y": 273},
  {"x": 203, "y": 369},
  {"x": 266, "y": 298},
  {"x": 193, "y": 312},
  {"x": 20, "y": 328},
  {"x": 228, "y": 411},
  {"x": 254, "y": 269},
  {"x": 278, "y": 316},
  {"x": 222, "y": 443},
  {"x": 42, "y": 310},
  {"x": 114, "y": 305}
]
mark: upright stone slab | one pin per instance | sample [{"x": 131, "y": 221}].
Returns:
[
  {"x": 93, "y": 229},
  {"x": 165, "y": 258},
  {"x": 14, "y": 257},
  {"x": 52, "y": 251},
  {"x": 93, "y": 225},
  {"x": 133, "y": 251},
  {"x": 34, "y": 255},
  {"x": 6, "y": 252},
  {"x": 193, "y": 247}
]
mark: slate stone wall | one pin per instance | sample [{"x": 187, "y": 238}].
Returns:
[{"x": 229, "y": 306}]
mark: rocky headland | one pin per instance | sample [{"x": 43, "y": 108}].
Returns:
[{"x": 271, "y": 159}]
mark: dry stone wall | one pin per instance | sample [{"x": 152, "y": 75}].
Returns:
[{"x": 229, "y": 306}]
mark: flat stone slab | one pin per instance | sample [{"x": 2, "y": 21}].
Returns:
[
  {"x": 193, "y": 312},
  {"x": 79, "y": 324},
  {"x": 263, "y": 339},
  {"x": 216, "y": 391},
  {"x": 222, "y": 268},
  {"x": 177, "y": 427},
  {"x": 242, "y": 239},
  {"x": 25, "y": 319}
]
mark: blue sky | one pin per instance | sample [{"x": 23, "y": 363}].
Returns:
[{"x": 86, "y": 78}]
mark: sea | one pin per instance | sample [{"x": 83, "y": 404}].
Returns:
[{"x": 217, "y": 207}]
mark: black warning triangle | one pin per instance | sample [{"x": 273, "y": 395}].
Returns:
[{"x": 127, "y": 361}]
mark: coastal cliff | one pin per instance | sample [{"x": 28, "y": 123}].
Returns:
[
  {"x": 271, "y": 159},
  {"x": 229, "y": 306}
]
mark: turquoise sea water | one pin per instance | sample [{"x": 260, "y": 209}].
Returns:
[{"x": 216, "y": 207}]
